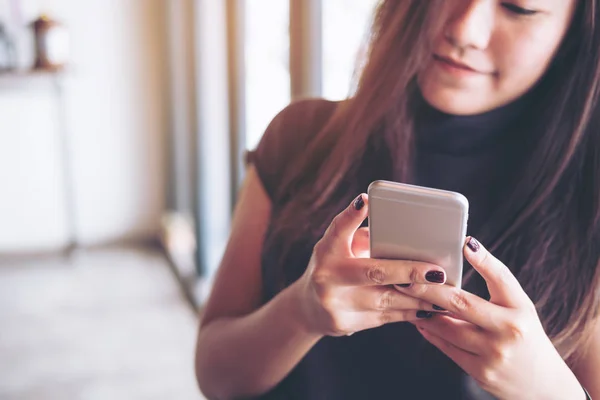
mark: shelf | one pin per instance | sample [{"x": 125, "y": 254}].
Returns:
[{"x": 28, "y": 79}]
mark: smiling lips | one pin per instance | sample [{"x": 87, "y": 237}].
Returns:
[{"x": 455, "y": 66}]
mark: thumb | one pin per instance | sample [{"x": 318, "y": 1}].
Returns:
[
  {"x": 341, "y": 230},
  {"x": 504, "y": 288}
]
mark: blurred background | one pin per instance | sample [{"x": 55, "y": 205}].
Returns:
[{"x": 123, "y": 128}]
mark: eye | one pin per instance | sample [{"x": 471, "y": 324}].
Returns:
[{"x": 515, "y": 9}]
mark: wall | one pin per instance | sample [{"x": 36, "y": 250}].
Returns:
[{"x": 117, "y": 120}]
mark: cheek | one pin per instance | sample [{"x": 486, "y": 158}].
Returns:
[{"x": 523, "y": 66}]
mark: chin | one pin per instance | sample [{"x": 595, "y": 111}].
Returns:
[
  {"x": 456, "y": 103},
  {"x": 452, "y": 98}
]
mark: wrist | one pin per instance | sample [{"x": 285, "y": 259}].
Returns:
[
  {"x": 568, "y": 387},
  {"x": 298, "y": 310}
]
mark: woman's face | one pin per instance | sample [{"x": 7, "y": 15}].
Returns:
[{"x": 492, "y": 52}]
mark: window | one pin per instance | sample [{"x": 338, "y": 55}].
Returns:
[
  {"x": 346, "y": 25},
  {"x": 258, "y": 32},
  {"x": 267, "y": 64}
]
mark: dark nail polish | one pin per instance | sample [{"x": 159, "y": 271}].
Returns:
[
  {"x": 438, "y": 308},
  {"x": 435, "y": 277},
  {"x": 404, "y": 285},
  {"x": 359, "y": 203},
  {"x": 473, "y": 244},
  {"x": 424, "y": 314}
]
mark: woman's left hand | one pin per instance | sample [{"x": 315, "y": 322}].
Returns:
[{"x": 501, "y": 343}]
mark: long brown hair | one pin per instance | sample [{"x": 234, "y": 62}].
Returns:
[{"x": 548, "y": 229}]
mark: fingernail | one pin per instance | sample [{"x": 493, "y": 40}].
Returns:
[
  {"x": 359, "y": 203},
  {"x": 438, "y": 308},
  {"x": 473, "y": 244},
  {"x": 424, "y": 314},
  {"x": 435, "y": 277}
]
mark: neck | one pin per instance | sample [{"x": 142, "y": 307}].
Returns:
[{"x": 442, "y": 132}]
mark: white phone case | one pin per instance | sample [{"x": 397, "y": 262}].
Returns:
[{"x": 409, "y": 222}]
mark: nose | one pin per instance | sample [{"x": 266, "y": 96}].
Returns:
[{"x": 471, "y": 24}]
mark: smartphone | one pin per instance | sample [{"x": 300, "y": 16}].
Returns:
[{"x": 408, "y": 222}]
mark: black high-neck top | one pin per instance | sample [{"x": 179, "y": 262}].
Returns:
[{"x": 473, "y": 155}]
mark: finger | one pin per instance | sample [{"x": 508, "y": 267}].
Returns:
[
  {"x": 368, "y": 272},
  {"x": 381, "y": 298},
  {"x": 344, "y": 225},
  {"x": 461, "y": 334},
  {"x": 503, "y": 286},
  {"x": 360, "y": 243},
  {"x": 463, "y": 358},
  {"x": 460, "y": 304}
]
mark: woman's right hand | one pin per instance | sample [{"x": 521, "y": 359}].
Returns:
[{"x": 344, "y": 291}]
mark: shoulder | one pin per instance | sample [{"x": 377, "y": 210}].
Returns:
[
  {"x": 286, "y": 137},
  {"x": 297, "y": 123}
]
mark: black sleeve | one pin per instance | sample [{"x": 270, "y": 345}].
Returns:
[{"x": 286, "y": 137}]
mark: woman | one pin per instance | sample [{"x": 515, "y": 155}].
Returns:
[{"x": 495, "y": 99}]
